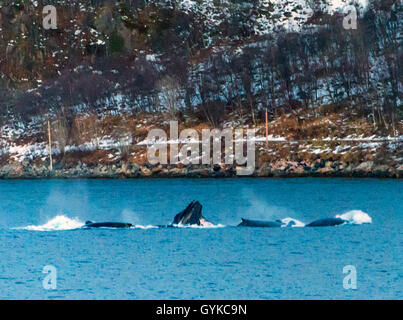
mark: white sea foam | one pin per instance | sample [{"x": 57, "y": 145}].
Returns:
[
  {"x": 195, "y": 226},
  {"x": 57, "y": 223},
  {"x": 292, "y": 223},
  {"x": 139, "y": 226},
  {"x": 355, "y": 217}
]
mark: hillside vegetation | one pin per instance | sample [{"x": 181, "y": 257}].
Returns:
[{"x": 112, "y": 70}]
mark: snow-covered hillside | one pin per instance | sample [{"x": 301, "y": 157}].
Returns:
[{"x": 267, "y": 15}]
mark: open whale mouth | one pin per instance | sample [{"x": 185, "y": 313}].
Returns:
[{"x": 191, "y": 215}]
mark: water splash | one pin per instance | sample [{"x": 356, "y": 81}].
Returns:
[
  {"x": 291, "y": 222},
  {"x": 57, "y": 223},
  {"x": 138, "y": 226},
  {"x": 355, "y": 217},
  {"x": 195, "y": 226}
]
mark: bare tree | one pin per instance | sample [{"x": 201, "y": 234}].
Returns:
[
  {"x": 60, "y": 133},
  {"x": 170, "y": 92}
]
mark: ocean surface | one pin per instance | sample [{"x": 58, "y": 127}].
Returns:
[{"x": 41, "y": 226}]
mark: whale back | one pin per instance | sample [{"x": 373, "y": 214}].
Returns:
[
  {"x": 259, "y": 224},
  {"x": 118, "y": 225},
  {"x": 327, "y": 222}
]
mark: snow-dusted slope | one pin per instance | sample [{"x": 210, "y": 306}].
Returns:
[{"x": 267, "y": 15}]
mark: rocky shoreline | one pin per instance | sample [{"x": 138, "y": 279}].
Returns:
[{"x": 121, "y": 170}]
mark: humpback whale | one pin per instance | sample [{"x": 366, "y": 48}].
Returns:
[
  {"x": 90, "y": 224},
  {"x": 261, "y": 224},
  {"x": 191, "y": 215},
  {"x": 326, "y": 222},
  {"x": 265, "y": 224}
]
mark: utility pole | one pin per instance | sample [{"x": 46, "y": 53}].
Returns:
[
  {"x": 50, "y": 148},
  {"x": 267, "y": 131}
]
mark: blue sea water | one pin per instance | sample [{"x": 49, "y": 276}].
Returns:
[{"x": 225, "y": 262}]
